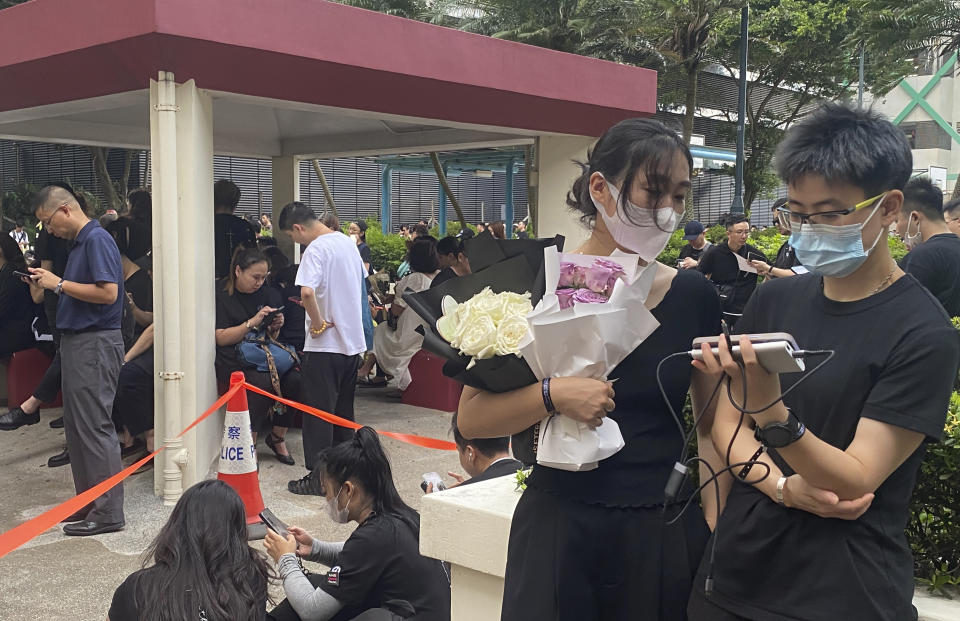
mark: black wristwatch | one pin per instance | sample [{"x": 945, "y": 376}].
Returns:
[{"x": 779, "y": 435}]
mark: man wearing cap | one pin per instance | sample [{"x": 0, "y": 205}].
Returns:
[{"x": 696, "y": 246}]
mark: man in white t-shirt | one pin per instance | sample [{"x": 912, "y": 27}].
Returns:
[{"x": 330, "y": 278}]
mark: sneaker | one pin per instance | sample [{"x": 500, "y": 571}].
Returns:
[
  {"x": 17, "y": 418},
  {"x": 307, "y": 486},
  {"x": 56, "y": 423}
]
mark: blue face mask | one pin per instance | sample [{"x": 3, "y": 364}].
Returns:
[{"x": 833, "y": 251}]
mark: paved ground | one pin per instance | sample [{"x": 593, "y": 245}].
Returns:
[{"x": 57, "y": 577}]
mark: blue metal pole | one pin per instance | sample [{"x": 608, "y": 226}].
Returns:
[
  {"x": 442, "y": 205},
  {"x": 508, "y": 224},
  {"x": 385, "y": 220}
]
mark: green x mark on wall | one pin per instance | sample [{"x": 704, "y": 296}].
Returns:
[{"x": 920, "y": 99}]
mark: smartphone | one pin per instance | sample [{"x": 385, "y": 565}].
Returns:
[
  {"x": 23, "y": 274},
  {"x": 269, "y": 317},
  {"x": 295, "y": 300},
  {"x": 275, "y": 523},
  {"x": 432, "y": 477}
]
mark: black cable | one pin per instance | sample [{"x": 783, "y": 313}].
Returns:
[{"x": 678, "y": 474}]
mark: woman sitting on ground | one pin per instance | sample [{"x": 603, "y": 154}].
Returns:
[
  {"x": 243, "y": 304},
  {"x": 395, "y": 342},
  {"x": 202, "y": 566},
  {"x": 378, "y": 573}
]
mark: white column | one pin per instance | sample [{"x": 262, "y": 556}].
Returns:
[
  {"x": 556, "y": 174},
  {"x": 469, "y": 527},
  {"x": 181, "y": 132},
  {"x": 286, "y": 189}
]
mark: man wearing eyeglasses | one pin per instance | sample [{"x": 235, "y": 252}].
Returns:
[
  {"x": 89, "y": 311},
  {"x": 721, "y": 267},
  {"x": 934, "y": 257},
  {"x": 951, "y": 213}
]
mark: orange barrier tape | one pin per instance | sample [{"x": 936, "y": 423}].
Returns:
[
  {"x": 432, "y": 443},
  {"x": 19, "y": 535}
]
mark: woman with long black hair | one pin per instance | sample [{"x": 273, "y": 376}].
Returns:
[
  {"x": 202, "y": 567},
  {"x": 378, "y": 573}
]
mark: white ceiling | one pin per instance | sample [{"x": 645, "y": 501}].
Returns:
[{"x": 255, "y": 126}]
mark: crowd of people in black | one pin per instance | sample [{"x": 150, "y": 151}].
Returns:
[{"x": 794, "y": 468}]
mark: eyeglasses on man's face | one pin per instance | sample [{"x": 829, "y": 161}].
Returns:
[{"x": 793, "y": 220}]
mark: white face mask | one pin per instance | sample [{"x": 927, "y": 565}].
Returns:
[
  {"x": 912, "y": 241},
  {"x": 648, "y": 236},
  {"x": 338, "y": 515}
]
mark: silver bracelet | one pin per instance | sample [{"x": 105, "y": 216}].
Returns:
[
  {"x": 59, "y": 288},
  {"x": 780, "y": 484}
]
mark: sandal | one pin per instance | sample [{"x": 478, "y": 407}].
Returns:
[
  {"x": 272, "y": 441},
  {"x": 371, "y": 382}
]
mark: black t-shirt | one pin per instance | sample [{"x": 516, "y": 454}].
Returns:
[
  {"x": 365, "y": 256},
  {"x": 140, "y": 287},
  {"x": 787, "y": 257},
  {"x": 936, "y": 264},
  {"x": 896, "y": 361},
  {"x": 55, "y": 249},
  {"x": 16, "y": 305},
  {"x": 232, "y": 310},
  {"x": 636, "y": 475},
  {"x": 725, "y": 272},
  {"x": 443, "y": 276},
  {"x": 689, "y": 251},
  {"x": 124, "y": 605},
  {"x": 380, "y": 562},
  {"x": 230, "y": 231}
]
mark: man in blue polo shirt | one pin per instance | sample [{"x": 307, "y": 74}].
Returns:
[{"x": 89, "y": 309}]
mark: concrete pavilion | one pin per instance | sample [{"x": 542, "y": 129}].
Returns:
[{"x": 284, "y": 79}]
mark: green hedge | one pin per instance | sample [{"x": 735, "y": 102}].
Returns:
[
  {"x": 387, "y": 250},
  {"x": 934, "y": 527}
]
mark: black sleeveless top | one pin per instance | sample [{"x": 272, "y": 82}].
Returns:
[{"x": 636, "y": 475}]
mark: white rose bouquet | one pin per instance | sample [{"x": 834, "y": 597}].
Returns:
[{"x": 488, "y": 324}]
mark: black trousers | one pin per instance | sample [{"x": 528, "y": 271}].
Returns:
[
  {"x": 46, "y": 391},
  {"x": 572, "y": 561},
  {"x": 285, "y": 612},
  {"x": 133, "y": 405},
  {"x": 329, "y": 384}
]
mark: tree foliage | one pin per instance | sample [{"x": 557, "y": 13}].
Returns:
[
  {"x": 800, "y": 52},
  {"x": 908, "y": 28}
]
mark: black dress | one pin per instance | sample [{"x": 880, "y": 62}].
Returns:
[{"x": 594, "y": 545}]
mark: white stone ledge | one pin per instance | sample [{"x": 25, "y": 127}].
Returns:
[{"x": 469, "y": 527}]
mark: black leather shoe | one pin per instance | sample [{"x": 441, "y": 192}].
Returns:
[
  {"x": 56, "y": 423},
  {"x": 60, "y": 459},
  {"x": 17, "y": 418},
  {"x": 86, "y": 528}
]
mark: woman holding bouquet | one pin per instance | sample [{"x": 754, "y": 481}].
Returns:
[{"x": 594, "y": 544}]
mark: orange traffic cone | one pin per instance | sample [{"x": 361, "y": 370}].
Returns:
[{"x": 238, "y": 455}]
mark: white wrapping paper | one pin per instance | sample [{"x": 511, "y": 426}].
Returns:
[{"x": 588, "y": 340}]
